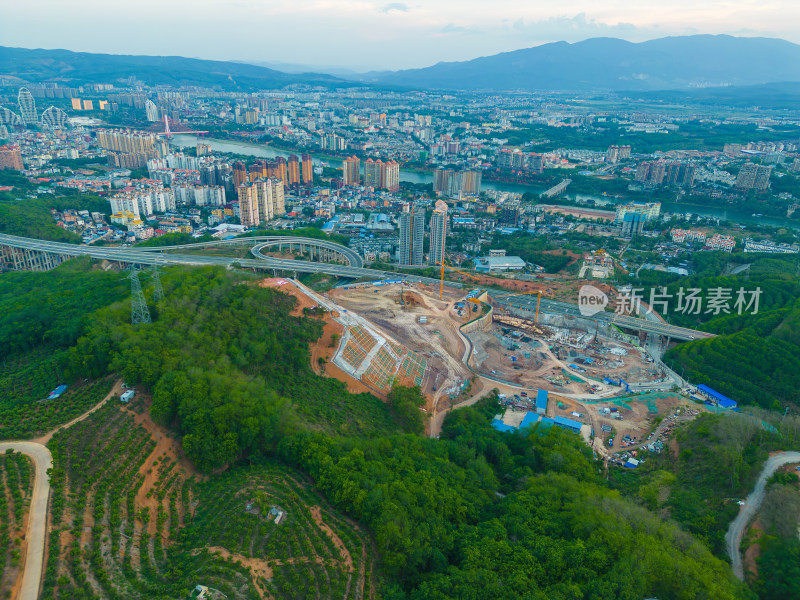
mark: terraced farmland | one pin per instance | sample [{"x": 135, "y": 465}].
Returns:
[
  {"x": 130, "y": 520},
  {"x": 23, "y": 412},
  {"x": 16, "y": 485}
]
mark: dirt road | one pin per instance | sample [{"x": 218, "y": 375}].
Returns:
[
  {"x": 37, "y": 520},
  {"x": 733, "y": 538}
]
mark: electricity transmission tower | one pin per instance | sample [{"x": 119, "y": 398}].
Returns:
[
  {"x": 158, "y": 290},
  {"x": 139, "y": 311}
]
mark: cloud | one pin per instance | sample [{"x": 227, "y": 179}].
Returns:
[
  {"x": 398, "y": 6},
  {"x": 578, "y": 28},
  {"x": 452, "y": 28}
]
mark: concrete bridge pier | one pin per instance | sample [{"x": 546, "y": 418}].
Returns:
[{"x": 24, "y": 259}]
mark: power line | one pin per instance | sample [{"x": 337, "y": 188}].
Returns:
[
  {"x": 139, "y": 311},
  {"x": 158, "y": 290}
]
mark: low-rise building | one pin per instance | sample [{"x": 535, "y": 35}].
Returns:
[
  {"x": 751, "y": 245},
  {"x": 488, "y": 264},
  {"x": 724, "y": 243}
]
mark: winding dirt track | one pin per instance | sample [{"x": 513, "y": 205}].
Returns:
[
  {"x": 733, "y": 537},
  {"x": 37, "y": 520}
]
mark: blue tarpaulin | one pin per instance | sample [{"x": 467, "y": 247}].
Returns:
[{"x": 720, "y": 399}]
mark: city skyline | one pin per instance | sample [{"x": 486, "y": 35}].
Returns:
[{"x": 393, "y": 35}]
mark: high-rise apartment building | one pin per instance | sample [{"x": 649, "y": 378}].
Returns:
[
  {"x": 151, "y": 111},
  {"x": 618, "y": 153},
  {"x": 240, "y": 173},
  {"x": 27, "y": 106},
  {"x": 441, "y": 180},
  {"x": 471, "y": 182},
  {"x": 680, "y": 174},
  {"x": 412, "y": 235},
  {"x": 372, "y": 173},
  {"x": 126, "y": 140},
  {"x": 753, "y": 177},
  {"x": 351, "y": 170},
  {"x": 55, "y": 117},
  {"x": 454, "y": 183},
  {"x": 10, "y": 158},
  {"x": 280, "y": 169},
  {"x": 390, "y": 176},
  {"x": 382, "y": 175},
  {"x": 308, "y": 170},
  {"x": 293, "y": 170},
  {"x": 438, "y": 233},
  {"x": 651, "y": 172},
  {"x": 261, "y": 201}
]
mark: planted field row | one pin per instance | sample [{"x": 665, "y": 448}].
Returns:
[
  {"x": 311, "y": 553},
  {"x": 128, "y": 521},
  {"x": 33, "y": 417},
  {"x": 117, "y": 511},
  {"x": 28, "y": 378},
  {"x": 16, "y": 486}
]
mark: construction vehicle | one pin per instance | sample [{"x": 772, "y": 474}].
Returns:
[{"x": 446, "y": 266}]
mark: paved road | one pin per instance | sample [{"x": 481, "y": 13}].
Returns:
[
  {"x": 139, "y": 257},
  {"x": 149, "y": 257},
  {"x": 353, "y": 257},
  {"x": 733, "y": 538},
  {"x": 37, "y": 519}
]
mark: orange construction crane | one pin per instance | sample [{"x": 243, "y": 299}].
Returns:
[{"x": 441, "y": 285}]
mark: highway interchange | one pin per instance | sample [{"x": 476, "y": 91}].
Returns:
[{"x": 164, "y": 255}]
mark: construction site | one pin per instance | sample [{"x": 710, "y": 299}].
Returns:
[{"x": 459, "y": 344}]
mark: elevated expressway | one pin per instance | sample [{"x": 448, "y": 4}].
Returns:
[
  {"x": 315, "y": 247},
  {"x": 564, "y": 308},
  {"x": 38, "y": 255}
]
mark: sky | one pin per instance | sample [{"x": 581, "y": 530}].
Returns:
[{"x": 365, "y": 35}]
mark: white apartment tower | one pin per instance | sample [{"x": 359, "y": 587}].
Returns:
[{"x": 438, "y": 233}]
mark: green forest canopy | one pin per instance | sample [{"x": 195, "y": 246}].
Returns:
[{"x": 477, "y": 514}]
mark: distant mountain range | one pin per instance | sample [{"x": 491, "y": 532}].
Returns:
[
  {"x": 695, "y": 65},
  {"x": 75, "y": 68},
  {"x": 610, "y": 64}
]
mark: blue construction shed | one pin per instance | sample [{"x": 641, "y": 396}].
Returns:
[
  {"x": 57, "y": 392},
  {"x": 500, "y": 426},
  {"x": 546, "y": 422},
  {"x": 529, "y": 420},
  {"x": 714, "y": 395},
  {"x": 541, "y": 402},
  {"x": 568, "y": 424}
]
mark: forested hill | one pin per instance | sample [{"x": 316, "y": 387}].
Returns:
[
  {"x": 669, "y": 63},
  {"x": 753, "y": 360},
  {"x": 76, "y": 68},
  {"x": 480, "y": 514},
  {"x": 477, "y": 514}
]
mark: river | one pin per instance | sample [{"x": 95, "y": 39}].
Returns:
[{"x": 264, "y": 151}]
